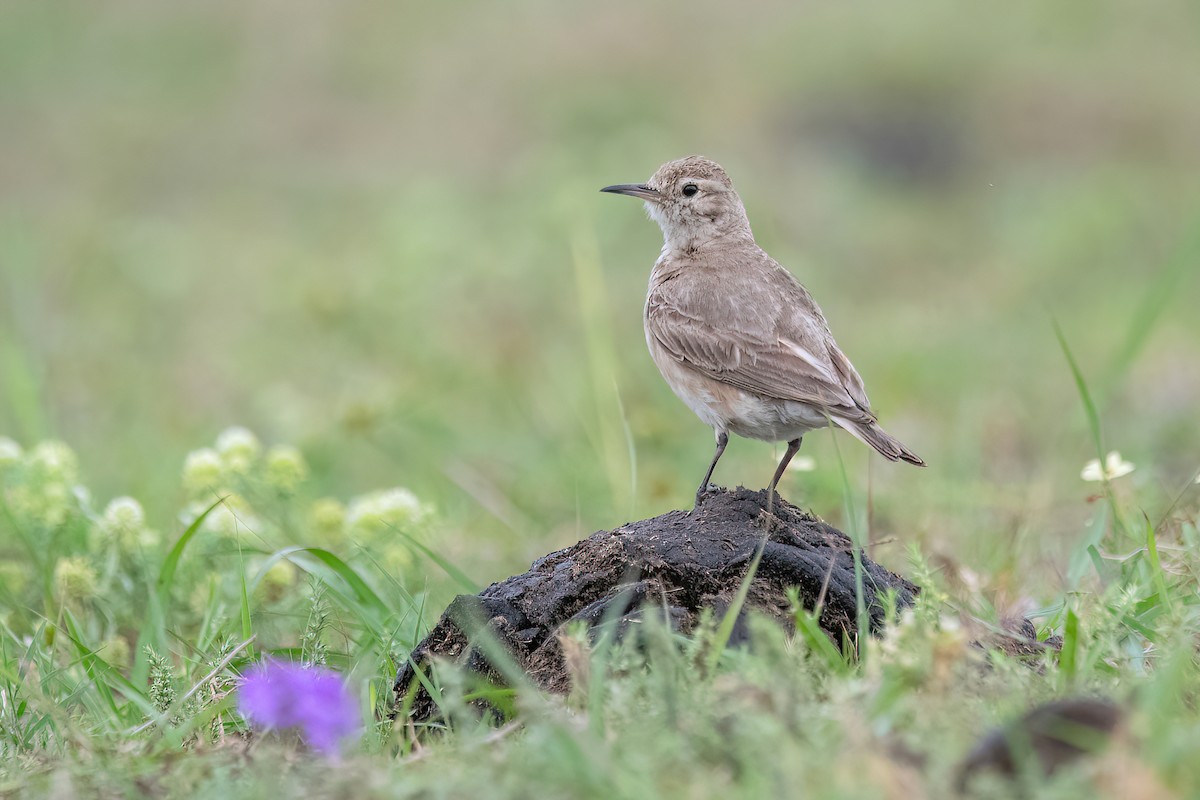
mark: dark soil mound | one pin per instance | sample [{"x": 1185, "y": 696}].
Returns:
[{"x": 677, "y": 564}]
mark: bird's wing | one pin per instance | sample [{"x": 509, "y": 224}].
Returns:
[
  {"x": 776, "y": 345},
  {"x": 851, "y": 380}
]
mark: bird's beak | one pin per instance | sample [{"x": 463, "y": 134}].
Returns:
[{"x": 639, "y": 190}]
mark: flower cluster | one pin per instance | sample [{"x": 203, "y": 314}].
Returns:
[
  {"x": 235, "y": 468},
  {"x": 237, "y": 462},
  {"x": 100, "y": 558},
  {"x": 381, "y": 516},
  {"x": 74, "y": 580},
  {"x": 254, "y": 485},
  {"x": 388, "y": 509},
  {"x": 123, "y": 526},
  {"x": 260, "y": 502},
  {"x": 97, "y": 560},
  {"x": 41, "y": 486}
]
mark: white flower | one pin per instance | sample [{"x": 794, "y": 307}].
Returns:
[
  {"x": 799, "y": 463},
  {"x": 385, "y": 509},
  {"x": 239, "y": 448},
  {"x": 802, "y": 464},
  {"x": 278, "y": 579},
  {"x": 74, "y": 579},
  {"x": 54, "y": 462},
  {"x": 124, "y": 514},
  {"x": 49, "y": 494},
  {"x": 286, "y": 469},
  {"x": 327, "y": 518},
  {"x": 201, "y": 470},
  {"x": 10, "y": 451},
  {"x": 124, "y": 523},
  {"x": 1114, "y": 467},
  {"x": 237, "y": 439},
  {"x": 233, "y": 517}
]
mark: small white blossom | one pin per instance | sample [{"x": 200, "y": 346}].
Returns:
[
  {"x": 10, "y": 451},
  {"x": 238, "y": 443},
  {"x": 232, "y": 517},
  {"x": 48, "y": 504},
  {"x": 1114, "y": 467},
  {"x": 327, "y": 520},
  {"x": 124, "y": 523},
  {"x": 285, "y": 468},
  {"x": 48, "y": 495},
  {"x": 116, "y": 652},
  {"x": 388, "y": 508},
  {"x": 202, "y": 470},
  {"x": 124, "y": 513},
  {"x": 74, "y": 579},
  {"x": 280, "y": 577},
  {"x": 802, "y": 464},
  {"x": 53, "y": 462}
]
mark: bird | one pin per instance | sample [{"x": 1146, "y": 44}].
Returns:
[{"x": 735, "y": 335}]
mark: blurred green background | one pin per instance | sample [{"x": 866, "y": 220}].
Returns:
[{"x": 373, "y": 230}]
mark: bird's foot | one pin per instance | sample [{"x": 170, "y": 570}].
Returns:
[{"x": 702, "y": 495}]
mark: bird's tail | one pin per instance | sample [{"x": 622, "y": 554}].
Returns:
[{"x": 884, "y": 443}]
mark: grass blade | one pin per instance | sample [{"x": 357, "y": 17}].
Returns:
[
  {"x": 460, "y": 577},
  {"x": 862, "y": 620},
  {"x": 818, "y": 641},
  {"x": 725, "y": 629},
  {"x": 1093, "y": 418},
  {"x": 166, "y": 575},
  {"x": 1160, "y": 582},
  {"x": 1068, "y": 661},
  {"x": 247, "y": 628},
  {"x": 362, "y": 591},
  {"x": 1089, "y": 407}
]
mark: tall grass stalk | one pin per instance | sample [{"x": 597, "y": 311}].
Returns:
[{"x": 607, "y": 428}]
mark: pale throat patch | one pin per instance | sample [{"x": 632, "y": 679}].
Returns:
[{"x": 671, "y": 228}]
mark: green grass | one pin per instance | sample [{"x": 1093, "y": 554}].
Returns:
[{"x": 373, "y": 231}]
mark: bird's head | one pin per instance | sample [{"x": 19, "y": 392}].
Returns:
[{"x": 692, "y": 200}]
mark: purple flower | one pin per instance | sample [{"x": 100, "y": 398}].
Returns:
[{"x": 278, "y": 694}]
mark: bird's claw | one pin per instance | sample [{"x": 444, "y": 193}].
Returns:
[{"x": 702, "y": 495}]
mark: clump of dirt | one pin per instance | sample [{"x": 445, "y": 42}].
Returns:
[
  {"x": 1049, "y": 737},
  {"x": 675, "y": 565}
]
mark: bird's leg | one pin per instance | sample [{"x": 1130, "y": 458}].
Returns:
[
  {"x": 722, "y": 440},
  {"x": 792, "y": 447}
]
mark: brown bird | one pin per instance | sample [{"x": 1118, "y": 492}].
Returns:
[{"x": 734, "y": 334}]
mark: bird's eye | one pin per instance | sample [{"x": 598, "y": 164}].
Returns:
[{"x": 690, "y": 189}]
